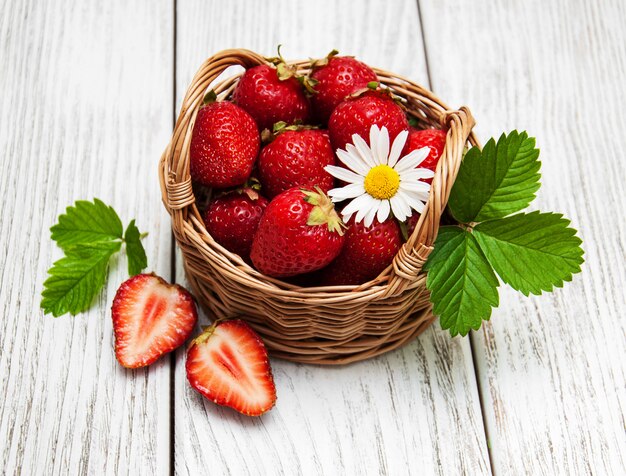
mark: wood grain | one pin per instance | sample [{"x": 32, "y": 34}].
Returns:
[
  {"x": 415, "y": 410},
  {"x": 85, "y": 109},
  {"x": 552, "y": 369}
]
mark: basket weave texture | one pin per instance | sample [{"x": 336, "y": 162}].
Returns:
[{"x": 321, "y": 325}]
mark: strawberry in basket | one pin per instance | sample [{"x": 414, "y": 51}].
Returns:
[
  {"x": 357, "y": 115},
  {"x": 296, "y": 157},
  {"x": 299, "y": 232},
  {"x": 272, "y": 94},
  {"x": 232, "y": 219},
  {"x": 434, "y": 139},
  {"x": 366, "y": 252},
  {"x": 335, "y": 78},
  {"x": 224, "y": 145}
]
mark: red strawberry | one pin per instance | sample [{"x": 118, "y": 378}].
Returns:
[
  {"x": 296, "y": 158},
  {"x": 271, "y": 95},
  {"x": 338, "y": 77},
  {"x": 228, "y": 364},
  {"x": 411, "y": 223},
  {"x": 224, "y": 145},
  {"x": 433, "y": 138},
  {"x": 357, "y": 115},
  {"x": 232, "y": 219},
  {"x": 299, "y": 232},
  {"x": 366, "y": 252},
  {"x": 150, "y": 318}
]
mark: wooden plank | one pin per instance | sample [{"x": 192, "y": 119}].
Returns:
[
  {"x": 415, "y": 410},
  {"x": 551, "y": 368},
  {"x": 85, "y": 110}
]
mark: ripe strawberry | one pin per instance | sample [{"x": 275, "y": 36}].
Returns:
[
  {"x": 296, "y": 158},
  {"x": 366, "y": 252},
  {"x": 271, "y": 95},
  {"x": 224, "y": 145},
  {"x": 299, "y": 232},
  {"x": 232, "y": 219},
  {"x": 357, "y": 115},
  {"x": 150, "y": 318},
  {"x": 228, "y": 364},
  {"x": 411, "y": 223},
  {"x": 433, "y": 138},
  {"x": 336, "y": 78}
]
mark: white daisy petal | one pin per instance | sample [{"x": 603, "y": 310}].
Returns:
[
  {"x": 416, "y": 174},
  {"x": 355, "y": 205},
  {"x": 344, "y": 174},
  {"x": 364, "y": 150},
  {"x": 349, "y": 191},
  {"x": 414, "y": 186},
  {"x": 396, "y": 207},
  {"x": 416, "y": 196},
  {"x": 406, "y": 207},
  {"x": 351, "y": 158},
  {"x": 371, "y": 214},
  {"x": 396, "y": 148},
  {"x": 418, "y": 206},
  {"x": 412, "y": 159},
  {"x": 365, "y": 209},
  {"x": 383, "y": 211},
  {"x": 382, "y": 147},
  {"x": 346, "y": 216},
  {"x": 374, "y": 137}
]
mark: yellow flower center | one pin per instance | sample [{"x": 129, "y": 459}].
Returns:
[{"x": 382, "y": 182}]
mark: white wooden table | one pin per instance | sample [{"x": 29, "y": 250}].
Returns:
[{"x": 88, "y": 94}]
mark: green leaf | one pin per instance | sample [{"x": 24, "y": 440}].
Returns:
[
  {"x": 500, "y": 180},
  {"x": 87, "y": 222},
  {"x": 77, "y": 278},
  {"x": 463, "y": 287},
  {"x": 531, "y": 252},
  {"x": 137, "y": 259}
]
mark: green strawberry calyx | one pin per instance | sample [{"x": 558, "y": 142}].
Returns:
[
  {"x": 285, "y": 71},
  {"x": 323, "y": 212},
  {"x": 380, "y": 90},
  {"x": 209, "y": 98},
  {"x": 318, "y": 63},
  {"x": 207, "y": 332},
  {"x": 268, "y": 136}
]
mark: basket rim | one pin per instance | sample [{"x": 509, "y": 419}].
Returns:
[{"x": 180, "y": 202}]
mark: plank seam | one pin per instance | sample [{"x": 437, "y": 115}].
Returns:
[
  {"x": 173, "y": 263},
  {"x": 470, "y": 337}
]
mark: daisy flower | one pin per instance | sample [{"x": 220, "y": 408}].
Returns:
[{"x": 380, "y": 182}]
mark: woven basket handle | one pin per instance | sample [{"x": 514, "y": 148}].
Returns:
[
  {"x": 176, "y": 188},
  {"x": 408, "y": 263}
]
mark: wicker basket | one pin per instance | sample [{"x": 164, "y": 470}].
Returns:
[{"x": 331, "y": 325}]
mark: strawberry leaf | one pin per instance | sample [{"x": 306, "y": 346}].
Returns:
[
  {"x": 531, "y": 252},
  {"x": 77, "y": 278},
  {"x": 497, "y": 181},
  {"x": 462, "y": 284},
  {"x": 137, "y": 259},
  {"x": 87, "y": 222},
  {"x": 89, "y": 233}
]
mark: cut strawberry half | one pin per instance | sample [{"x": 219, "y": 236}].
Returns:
[
  {"x": 150, "y": 318},
  {"x": 228, "y": 364}
]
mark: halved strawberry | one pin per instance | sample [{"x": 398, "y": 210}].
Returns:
[
  {"x": 228, "y": 364},
  {"x": 150, "y": 318}
]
